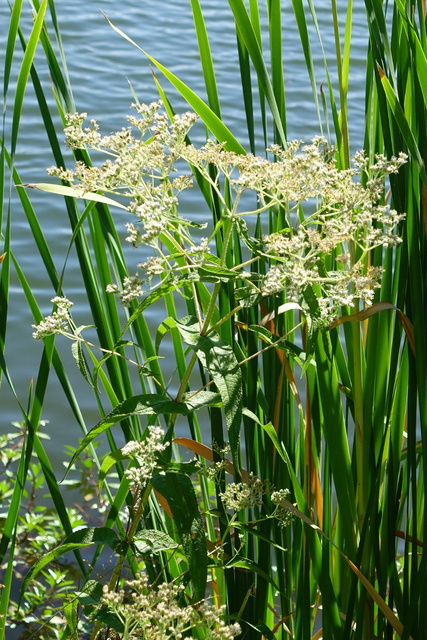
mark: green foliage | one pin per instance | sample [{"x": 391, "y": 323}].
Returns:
[
  {"x": 178, "y": 490},
  {"x": 302, "y": 354},
  {"x": 39, "y": 613}
]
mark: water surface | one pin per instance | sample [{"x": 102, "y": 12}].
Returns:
[{"x": 101, "y": 64}]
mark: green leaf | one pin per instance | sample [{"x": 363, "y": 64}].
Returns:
[
  {"x": 210, "y": 273},
  {"x": 206, "y": 57},
  {"x": 71, "y": 615},
  {"x": 211, "y": 120},
  {"x": 298, "y": 7},
  {"x": 250, "y": 565},
  {"x": 188, "y": 468},
  {"x": 91, "y": 593},
  {"x": 250, "y": 40},
  {"x": 218, "y": 358},
  {"x": 148, "y": 404},
  {"x": 151, "y": 541},
  {"x": 253, "y": 531},
  {"x": 110, "y": 460},
  {"x": 283, "y": 308},
  {"x": 178, "y": 490},
  {"x": 403, "y": 124},
  {"x": 163, "y": 329},
  {"x": 264, "y": 631},
  {"x": 152, "y": 297},
  {"x": 110, "y": 619},
  {"x": 263, "y": 333},
  {"x": 73, "y": 192},
  {"x": 78, "y": 355},
  {"x": 27, "y": 62},
  {"x": 271, "y": 432},
  {"x": 247, "y": 296}
]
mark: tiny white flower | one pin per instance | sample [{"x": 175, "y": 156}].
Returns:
[
  {"x": 56, "y": 323},
  {"x": 144, "y": 453}
]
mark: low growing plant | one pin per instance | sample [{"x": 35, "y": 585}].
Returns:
[{"x": 38, "y": 531}]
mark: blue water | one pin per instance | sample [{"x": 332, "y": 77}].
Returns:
[{"x": 101, "y": 64}]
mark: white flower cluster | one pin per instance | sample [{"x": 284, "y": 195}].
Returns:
[
  {"x": 75, "y": 136},
  {"x": 131, "y": 289},
  {"x": 154, "y": 613},
  {"x": 138, "y": 168},
  {"x": 58, "y": 322},
  {"x": 215, "y": 470},
  {"x": 249, "y": 494},
  {"x": 244, "y": 495},
  {"x": 134, "y": 158},
  {"x": 334, "y": 217},
  {"x": 348, "y": 220},
  {"x": 144, "y": 454},
  {"x": 281, "y": 513},
  {"x": 279, "y": 495},
  {"x": 153, "y": 266},
  {"x": 198, "y": 252}
]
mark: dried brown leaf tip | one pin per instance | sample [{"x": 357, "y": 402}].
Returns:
[{"x": 380, "y": 71}]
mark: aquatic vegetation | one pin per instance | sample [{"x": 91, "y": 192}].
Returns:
[{"x": 295, "y": 315}]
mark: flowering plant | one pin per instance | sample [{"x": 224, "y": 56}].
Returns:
[
  {"x": 333, "y": 218},
  {"x": 314, "y": 259}
]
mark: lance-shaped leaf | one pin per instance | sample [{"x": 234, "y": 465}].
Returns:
[
  {"x": 78, "y": 355},
  {"x": 147, "y": 404},
  {"x": 211, "y": 120},
  {"x": 213, "y": 273},
  {"x": 402, "y": 123},
  {"x": 218, "y": 358},
  {"x": 178, "y": 490},
  {"x": 150, "y": 541},
  {"x": 375, "y": 308},
  {"x": 73, "y": 192},
  {"x": 250, "y": 565},
  {"x": 90, "y": 597},
  {"x": 150, "y": 299}
]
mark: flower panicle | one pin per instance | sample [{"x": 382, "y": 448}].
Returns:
[
  {"x": 335, "y": 217},
  {"x": 144, "y": 456},
  {"x": 57, "y": 322},
  {"x": 157, "y": 613}
]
